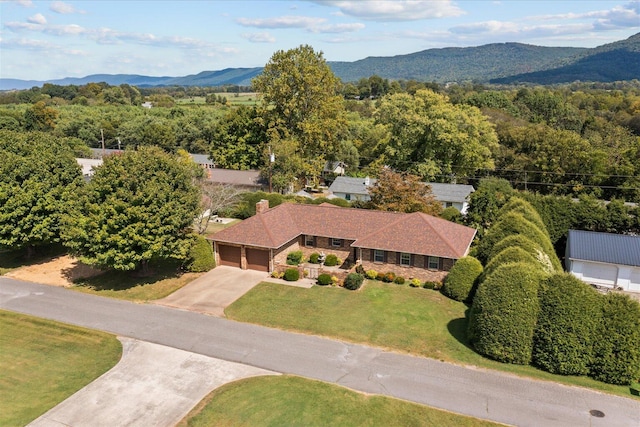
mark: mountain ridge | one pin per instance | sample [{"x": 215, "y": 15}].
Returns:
[{"x": 505, "y": 63}]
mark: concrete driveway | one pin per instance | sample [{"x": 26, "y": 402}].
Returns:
[
  {"x": 212, "y": 292},
  {"x": 152, "y": 385}
]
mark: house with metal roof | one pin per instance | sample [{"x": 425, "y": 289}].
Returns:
[
  {"x": 413, "y": 245},
  {"x": 450, "y": 195},
  {"x": 604, "y": 259}
]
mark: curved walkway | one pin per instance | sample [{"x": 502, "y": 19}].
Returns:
[{"x": 152, "y": 385}]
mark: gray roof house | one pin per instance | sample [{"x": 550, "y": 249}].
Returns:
[
  {"x": 455, "y": 195},
  {"x": 604, "y": 259}
]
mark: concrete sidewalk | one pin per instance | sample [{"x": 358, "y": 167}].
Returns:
[{"x": 152, "y": 385}]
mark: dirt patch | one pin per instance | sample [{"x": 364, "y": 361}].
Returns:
[{"x": 58, "y": 271}]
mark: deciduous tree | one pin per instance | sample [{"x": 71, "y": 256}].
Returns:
[
  {"x": 139, "y": 207},
  {"x": 38, "y": 177},
  {"x": 403, "y": 193}
]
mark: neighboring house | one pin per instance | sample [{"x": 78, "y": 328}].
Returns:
[
  {"x": 87, "y": 166},
  {"x": 604, "y": 259},
  {"x": 352, "y": 189},
  {"x": 333, "y": 169},
  {"x": 450, "y": 195},
  {"x": 203, "y": 160},
  {"x": 411, "y": 245}
]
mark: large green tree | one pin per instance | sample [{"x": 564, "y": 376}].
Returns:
[
  {"x": 38, "y": 177},
  {"x": 138, "y": 207},
  {"x": 301, "y": 109},
  {"x": 431, "y": 137}
]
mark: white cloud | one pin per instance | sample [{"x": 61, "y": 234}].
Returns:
[
  {"x": 27, "y": 44},
  {"x": 337, "y": 28},
  {"x": 289, "y": 21},
  {"x": 395, "y": 10},
  {"x": 259, "y": 37},
  {"x": 38, "y": 19},
  {"x": 63, "y": 8}
]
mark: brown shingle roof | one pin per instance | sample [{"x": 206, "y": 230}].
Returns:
[{"x": 415, "y": 233}]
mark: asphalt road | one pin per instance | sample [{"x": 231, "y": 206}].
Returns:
[{"x": 475, "y": 392}]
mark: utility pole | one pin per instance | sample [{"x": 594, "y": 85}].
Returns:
[{"x": 272, "y": 159}]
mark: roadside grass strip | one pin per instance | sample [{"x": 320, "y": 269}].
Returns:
[
  {"x": 295, "y": 401},
  {"x": 43, "y": 362}
]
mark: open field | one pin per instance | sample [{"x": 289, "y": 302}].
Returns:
[
  {"x": 412, "y": 320},
  {"x": 44, "y": 362},
  {"x": 242, "y": 98},
  {"x": 295, "y": 401}
]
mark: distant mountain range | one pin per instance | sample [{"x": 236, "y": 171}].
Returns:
[{"x": 491, "y": 63}]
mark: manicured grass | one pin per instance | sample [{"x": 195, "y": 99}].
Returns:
[
  {"x": 44, "y": 362},
  {"x": 123, "y": 285},
  {"x": 412, "y": 320},
  {"x": 295, "y": 401},
  {"x": 213, "y": 227}
]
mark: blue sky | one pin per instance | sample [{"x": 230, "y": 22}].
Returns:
[{"x": 54, "y": 39}]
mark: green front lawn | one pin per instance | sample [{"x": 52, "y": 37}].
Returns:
[
  {"x": 412, "y": 320},
  {"x": 295, "y": 401},
  {"x": 44, "y": 362},
  {"x": 166, "y": 279}
]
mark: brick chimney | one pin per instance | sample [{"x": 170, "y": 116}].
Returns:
[{"x": 262, "y": 206}]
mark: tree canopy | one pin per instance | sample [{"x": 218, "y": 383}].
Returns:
[
  {"x": 402, "y": 193},
  {"x": 138, "y": 207},
  {"x": 38, "y": 177}
]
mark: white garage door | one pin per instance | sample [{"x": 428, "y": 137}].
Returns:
[
  {"x": 599, "y": 274},
  {"x": 634, "y": 284}
]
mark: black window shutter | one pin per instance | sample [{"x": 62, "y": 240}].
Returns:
[
  {"x": 315, "y": 243},
  {"x": 398, "y": 258},
  {"x": 413, "y": 260}
]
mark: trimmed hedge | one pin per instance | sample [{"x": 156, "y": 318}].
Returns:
[
  {"x": 314, "y": 258},
  {"x": 570, "y": 312},
  {"x": 459, "y": 283},
  {"x": 510, "y": 255},
  {"x": 331, "y": 260},
  {"x": 200, "y": 257},
  {"x": 291, "y": 274},
  {"x": 324, "y": 279},
  {"x": 519, "y": 240},
  {"x": 503, "y": 316},
  {"x": 353, "y": 281},
  {"x": 526, "y": 209},
  {"x": 294, "y": 258},
  {"x": 616, "y": 347},
  {"x": 513, "y": 223}
]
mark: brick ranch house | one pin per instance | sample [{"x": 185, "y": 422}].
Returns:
[{"x": 412, "y": 245}]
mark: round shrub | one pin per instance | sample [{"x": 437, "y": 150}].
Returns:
[
  {"x": 380, "y": 277},
  {"x": 504, "y": 313},
  {"x": 452, "y": 214},
  {"x": 430, "y": 285},
  {"x": 371, "y": 274},
  {"x": 331, "y": 260},
  {"x": 513, "y": 223},
  {"x": 459, "y": 283},
  {"x": 353, "y": 281},
  {"x": 399, "y": 280},
  {"x": 294, "y": 258},
  {"x": 616, "y": 344},
  {"x": 415, "y": 283},
  {"x": 291, "y": 274},
  {"x": 200, "y": 257},
  {"x": 509, "y": 255},
  {"x": 324, "y": 279},
  {"x": 389, "y": 277},
  {"x": 314, "y": 258},
  {"x": 570, "y": 311}
]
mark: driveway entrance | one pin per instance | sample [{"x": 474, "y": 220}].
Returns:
[{"x": 212, "y": 292}]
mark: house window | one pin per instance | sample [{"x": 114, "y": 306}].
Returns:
[
  {"x": 433, "y": 263},
  {"x": 378, "y": 255},
  {"x": 309, "y": 240},
  {"x": 347, "y": 196},
  {"x": 336, "y": 243},
  {"x": 448, "y": 204},
  {"x": 405, "y": 259}
]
